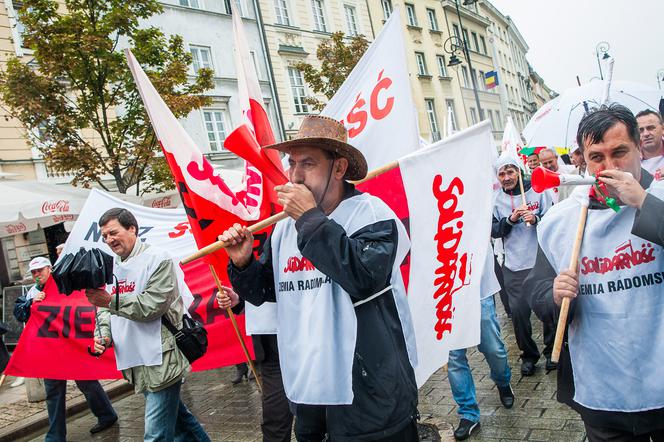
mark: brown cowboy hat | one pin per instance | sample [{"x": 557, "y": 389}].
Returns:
[{"x": 327, "y": 134}]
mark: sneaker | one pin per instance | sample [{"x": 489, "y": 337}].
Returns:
[
  {"x": 550, "y": 365},
  {"x": 465, "y": 429},
  {"x": 506, "y": 396},
  {"x": 527, "y": 368},
  {"x": 17, "y": 382}
]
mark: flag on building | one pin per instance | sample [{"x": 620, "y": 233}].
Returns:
[{"x": 491, "y": 79}]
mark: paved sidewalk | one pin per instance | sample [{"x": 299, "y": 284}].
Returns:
[{"x": 232, "y": 413}]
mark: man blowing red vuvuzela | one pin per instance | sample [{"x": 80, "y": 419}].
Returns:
[
  {"x": 343, "y": 321},
  {"x": 610, "y": 367}
]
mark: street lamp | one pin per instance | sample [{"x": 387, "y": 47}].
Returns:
[
  {"x": 455, "y": 44},
  {"x": 603, "y": 48},
  {"x": 660, "y": 78}
]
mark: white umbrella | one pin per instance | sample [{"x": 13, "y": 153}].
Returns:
[{"x": 556, "y": 123}]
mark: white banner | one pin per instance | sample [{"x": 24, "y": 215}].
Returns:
[
  {"x": 375, "y": 102},
  {"x": 167, "y": 229},
  {"x": 449, "y": 190}
]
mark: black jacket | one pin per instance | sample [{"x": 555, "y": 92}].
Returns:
[
  {"x": 384, "y": 388},
  {"x": 22, "y": 309},
  {"x": 648, "y": 224}
]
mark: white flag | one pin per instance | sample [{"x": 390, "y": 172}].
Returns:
[
  {"x": 375, "y": 102},
  {"x": 450, "y": 223},
  {"x": 512, "y": 143}
]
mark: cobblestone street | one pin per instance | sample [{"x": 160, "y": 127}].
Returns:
[{"x": 232, "y": 413}]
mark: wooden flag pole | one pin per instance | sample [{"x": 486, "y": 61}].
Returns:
[
  {"x": 231, "y": 316},
  {"x": 523, "y": 192},
  {"x": 2, "y": 379},
  {"x": 267, "y": 222},
  {"x": 564, "y": 306}
]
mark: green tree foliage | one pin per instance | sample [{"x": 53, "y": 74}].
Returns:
[
  {"x": 338, "y": 56},
  {"x": 78, "y": 98}
]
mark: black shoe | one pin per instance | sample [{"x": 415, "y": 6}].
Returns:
[
  {"x": 527, "y": 368},
  {"x": 550, "y": 365},
  {"x": 101, "y": 426},
  {"x": 241, "y": 373},
  {"x": 506, "y": 396},
  {"x": 465, "y": 429}
]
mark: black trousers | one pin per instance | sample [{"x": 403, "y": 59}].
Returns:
[
  {"x": 520, "y": 305},
  {"x": 311, "y": 426},
  {"x": 94, "y": 394},
  {"x": 277, "y": 418},
  {"x": 597, "y": 434},
  {"x": 504, "y": 299}
]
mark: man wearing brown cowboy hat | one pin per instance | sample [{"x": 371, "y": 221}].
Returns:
[{"x": 344, "y": 334}]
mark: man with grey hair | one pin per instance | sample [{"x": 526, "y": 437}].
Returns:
[{"x": 516, "y": 224}]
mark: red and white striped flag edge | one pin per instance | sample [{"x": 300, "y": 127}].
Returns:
[{"x": 197, "y": 172}]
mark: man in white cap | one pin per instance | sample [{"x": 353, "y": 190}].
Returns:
[
  {"x": 344, "y": 332},
  {"x": 56, "y": 389},
  {"x": 516, "y": 224}
]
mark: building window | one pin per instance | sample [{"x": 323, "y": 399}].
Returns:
[
  {"x": 351, "y": 20},
  {"x": 457, "y": 33},
  {"x": 483, "y": 43},
  {"x": 449, "y": 104},
  {"x": 473, "y": 115},
  {"x": 201, "y": 57},
  {"x": 433, "y": 20},
  {"x": 433, "y": 120},
  {"x": 466, "y": 79},
  {"x": 499, "y": 122},
  {"x": 465, "y": 36},
  {"x": 281, "y": 9},
  {"x": 421, "y": 64},
  {"x": 319, "y": 15},
  {"x": 190, "y": 3},
  {"x": 387, "y": 8},
  {"x": 442, "y": 68},
  {"x": 493, "y": 123},
  {"x": 215, "y": 125},
  {"x": 298, "y": 91},
  {"x": 410, "y": 13},
  {"x": 476, "y": 42},
  {"x": 482, "y": 83},
  {"x": 238, "y": 6}
]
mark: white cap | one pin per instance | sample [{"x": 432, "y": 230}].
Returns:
[
  {"x": 39, "y": 263},
  {"x": 505, "y": 159}
]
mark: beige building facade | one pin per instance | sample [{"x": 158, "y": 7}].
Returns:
[{"x": 293, "y": 30}]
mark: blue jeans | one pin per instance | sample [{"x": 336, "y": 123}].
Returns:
[
  {"x": 94, "y": 394},
  {"x": 168, "y": 419},
  {"x": 493, "y": 349}
]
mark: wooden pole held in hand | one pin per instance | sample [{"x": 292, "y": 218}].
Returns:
[
  {"x": 231, "y": 316},
  {"x": 267, "y": 222},
  {"x": 564, "y": 306}
]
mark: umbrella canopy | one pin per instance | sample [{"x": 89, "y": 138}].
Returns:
[
  {"x": 556, "y": 123},
  {"x": 27, "y": 205}
]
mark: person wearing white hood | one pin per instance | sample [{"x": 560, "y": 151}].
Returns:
[{"x": 516, "y": 224}]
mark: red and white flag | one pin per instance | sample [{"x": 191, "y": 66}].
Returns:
[
  {"x": 450, "y": 207},
  {"x": 512, "y": 144},
  {"x": 375, "y": 102}
]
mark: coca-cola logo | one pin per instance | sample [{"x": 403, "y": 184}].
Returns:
[
  {"x": 625, "y": 257},
  {"x": 55, "y": 206},
  {"x": 533, "y": 205},
  {"x": 161, "y": 203},
  {"x": 295, "y": 264},
  {"x": 63, "y": 218},
  {"x": 15, "y": 228},
  {"x": 455, "y": 268},
  {"x": 125, "y": 287}
]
